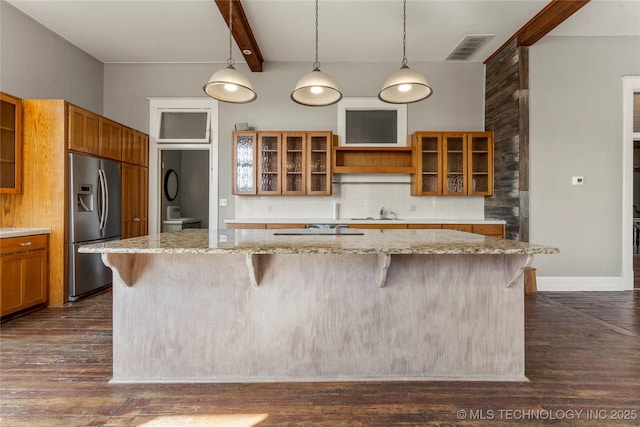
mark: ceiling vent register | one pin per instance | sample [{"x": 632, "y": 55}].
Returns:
[{"x": 469, "y": 46}]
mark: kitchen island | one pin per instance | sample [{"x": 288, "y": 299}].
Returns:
[{"x": 250, "y": 305}]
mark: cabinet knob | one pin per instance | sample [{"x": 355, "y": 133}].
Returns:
[
  {"x": 25, "y": 244},
  {"x": 136, "y": 219}
]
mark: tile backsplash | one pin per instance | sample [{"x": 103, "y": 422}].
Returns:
[{"x": 360, "y": 200}]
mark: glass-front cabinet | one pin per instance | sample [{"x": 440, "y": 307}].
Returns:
[
  {"x": 269, "y": 163},
  {"x": 319, "y": 163},
  {"x": 453, "y": 164},
  {"x": 480, "y": 163},
  {"x": 244, "y": 162},
  {"x": 288, "y": 163},
  {"x": 10, "y": 144},
  {"x": 428, "y": 151},
  {"x": 454, "y": 151},
  {"x": 294, "y": 163}
]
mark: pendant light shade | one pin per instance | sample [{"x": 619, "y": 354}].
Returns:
[
  {"x": 229, "y": 84},
  {"x": 405, "y": 85},
  {"x": 316, "y": 89}
]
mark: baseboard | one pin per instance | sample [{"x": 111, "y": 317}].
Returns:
[{"x": 582, "y": 284}]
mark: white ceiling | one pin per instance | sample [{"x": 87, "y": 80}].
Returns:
[{"x": 170, "y": 31}]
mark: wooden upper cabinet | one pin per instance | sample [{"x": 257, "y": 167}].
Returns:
[
  {"x": 428, "y": 160},
  {"x": 83, "y": 130},
  {"x": 244, "y": 162},
  {"x": 110, "y": 141},
  {"x": 269, "y": 161},
  {"x": 135, "y": 147},
  {"x": 142, "y": 149},
  {"x": 10, "y": 144},
  {"x": 288, "y": 163},
  {"x": 480, "y": 163},
  {"x": 318, "y": 166},
  {"x": 294, "y": 157},
  {"x": 453, "y": 164}
]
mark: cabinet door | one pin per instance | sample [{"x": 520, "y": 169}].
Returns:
[
  {"x": 454, "y": 161},
  {"x": 244, "y": 162},
  {"x": 480, "y": 163},
  {"x": 110, "y": 141},
  {"x": 134, "y": 200},
  {"x": 11, "y": 279},
  {"x": 269, "y": 163},
  {"x": 10, "y": 144},
  {"x": 24, "y": 280},
  {"x": 35, "y": 278},
  {"x": 294, "y": 161},
  {"x": 83, "y": 130},
  {"x": 135, "y": 147},
  {"x": 318, "y": 167},
  {"x": 141, "y": 149},
  {"x": 428, "y": 150},
  {"x": 128, "y": 145}
]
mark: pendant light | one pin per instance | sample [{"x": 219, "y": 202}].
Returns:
[
  {"x": 316, "y": 89},
  {"x": 405, "y": 85},
  {"x": 228, "y": 84}
]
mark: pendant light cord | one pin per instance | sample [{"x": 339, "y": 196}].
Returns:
[
  {"x": 316, "y": 65},
  {"x": 404, "y": 33},
  {"x": 230, "y": 60}
]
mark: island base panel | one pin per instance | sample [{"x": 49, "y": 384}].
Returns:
[{"x": 197, "y": 318}]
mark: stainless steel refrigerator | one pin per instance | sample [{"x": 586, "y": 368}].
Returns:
[{"x": 94, "y": 217}]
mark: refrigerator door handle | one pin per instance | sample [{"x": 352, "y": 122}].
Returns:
[{"x": 102, "y": 214}]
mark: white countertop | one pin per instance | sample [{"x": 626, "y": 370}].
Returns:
[
  {"x": 361, "y": 221},
  {"x": 198, "y": 241},
  {"x": 21, "y": 232}
]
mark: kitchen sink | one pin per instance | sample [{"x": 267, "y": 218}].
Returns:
[
  {"x": 374, "y": 219},
  {"x": 338, "y": 231}
]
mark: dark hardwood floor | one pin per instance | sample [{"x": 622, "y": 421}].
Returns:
[{"x": 582, "y": 360}]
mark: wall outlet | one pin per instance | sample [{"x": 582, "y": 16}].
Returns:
[
  {"x": 223, "y": 238},
  {"x": 413, "y": 208},
  {"x": 223, "y": 202},
  {"x": 577, "y": 180}
]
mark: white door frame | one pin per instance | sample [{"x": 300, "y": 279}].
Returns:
[
  {"x": 630, "y": 85},
  {"x": 155, "y": 168}
]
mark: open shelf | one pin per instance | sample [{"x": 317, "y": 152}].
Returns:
[{"x": 373, "y": 160}]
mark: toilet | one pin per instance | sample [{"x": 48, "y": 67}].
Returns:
[{"x": 175, "y": 222}]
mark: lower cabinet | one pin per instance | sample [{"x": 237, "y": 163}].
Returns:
[
  {"x": 23, "y": 272},
  {"x": 135, "y": 203}
]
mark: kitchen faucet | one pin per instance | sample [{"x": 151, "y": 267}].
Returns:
[{"x": 383, "y": 214}]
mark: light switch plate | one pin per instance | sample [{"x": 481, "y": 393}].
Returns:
[
  {"x": 577, "y": 180},
  {"x": 223, "y": 202}
]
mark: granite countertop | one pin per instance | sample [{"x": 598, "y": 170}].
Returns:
[
  {"x": 361, "y": 221},
  {"x": 200, "y": 241},
  {"x": 21, "y": 232}
]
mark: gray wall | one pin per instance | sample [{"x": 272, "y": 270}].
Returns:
[
  {"x": 457, "y": 102},
  {"x": 194, "y": 186},
  {"x": 38, "y": 64},
  {"x": 576, "y": 129}
]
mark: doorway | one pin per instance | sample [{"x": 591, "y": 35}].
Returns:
[{"x": 184, "y": 193}]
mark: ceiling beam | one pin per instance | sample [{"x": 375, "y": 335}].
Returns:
[
  {"x": 242, "y": 33},
  {"x": 552, "y": 15}
]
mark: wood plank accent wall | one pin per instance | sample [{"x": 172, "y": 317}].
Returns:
[
  {"x": 43, "y": 200},
  {"x": 507, "y": 114}
]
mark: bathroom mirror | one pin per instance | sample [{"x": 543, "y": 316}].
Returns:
[{"x": 170, "y": 184}]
